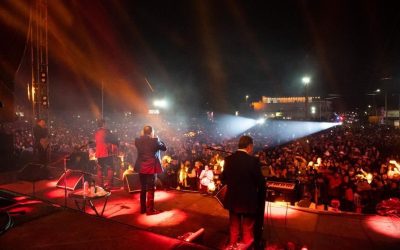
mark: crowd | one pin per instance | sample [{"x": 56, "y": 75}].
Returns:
[{"x": 351, "y": 167}]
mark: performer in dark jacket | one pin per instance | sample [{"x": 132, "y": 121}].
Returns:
[
  {"x": 41, "y": 142},
  {"x": 245, "y": 184},
  {"x": 148, "y": 165}
]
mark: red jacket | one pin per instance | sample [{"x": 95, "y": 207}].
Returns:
[{"x": 103, "y": 149}]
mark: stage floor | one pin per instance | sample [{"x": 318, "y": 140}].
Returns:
[{"x": 185, "y": 212}]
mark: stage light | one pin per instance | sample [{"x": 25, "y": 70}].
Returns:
[
  {"x": 292, "y": 130},
  {"x": 162, "y": 103},
  {"x": 369, "y": 178},
  {"x": 306, "y": 80},
  {"x": 260, "y": 121},
  {"x": 231, "y": 126}
]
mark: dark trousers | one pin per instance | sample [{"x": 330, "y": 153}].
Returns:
[
  {"x": 244, "y": 221},
  {"x": 106, "y": 169},
  {"x": 41, "y": 154},
  {"x": 147, "y": 183}
]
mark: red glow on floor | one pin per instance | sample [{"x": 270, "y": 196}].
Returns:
[
  {"x": 279, "y": 211},
  {"x": 29, "y": 202},
  {"x": 163, "y": 195},
  {"x": 20, "y": 210},
  {"x": 385, "y": 225},
  {"x": 55, "y": 193},
  {"x": 166, "y": 218},
  {"x": 51, "y": 184},
  {"x": 21, "y": 198},
  {"x": 158, "y": 195}
]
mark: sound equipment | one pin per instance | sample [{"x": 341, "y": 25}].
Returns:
[
  {"x": 78, "y": 161},
  {"x": 282, "y": 190},
  {"x": 7, "y": 157},
  {"x": 281, "y": 186},
  {"x": 72, "y": 179},
  {"x": 33, "y": 172},
  {"x": 132, "y": 182},
  {"x": 220, "y": 195},
  {"x": 7, "y": 113}
]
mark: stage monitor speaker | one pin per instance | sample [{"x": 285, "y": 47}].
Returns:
[
  {"x": 78, "y": 161},
  {"x": 7, "y": 157},
  {"x": 220, "y": 196},
  {"x": 73, "y": 180},
  {"x": 33, "y": 172},
  {"x": 132, "y": 183}
]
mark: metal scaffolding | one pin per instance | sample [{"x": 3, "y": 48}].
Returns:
[{"x": 38, "y": 38}]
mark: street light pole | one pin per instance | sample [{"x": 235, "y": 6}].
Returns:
[
  {"x": 306, "y": 80},
  {"x": 385, "y": 117}
]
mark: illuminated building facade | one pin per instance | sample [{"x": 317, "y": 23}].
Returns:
[{"x": 293, "y": 108}]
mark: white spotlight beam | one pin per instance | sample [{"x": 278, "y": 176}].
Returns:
[{"x": 231, "y": 126}]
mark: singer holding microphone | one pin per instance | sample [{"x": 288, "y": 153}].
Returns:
[{"x": 148, "y": 166}]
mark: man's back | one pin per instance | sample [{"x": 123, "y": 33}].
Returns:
[
  {"x": 148, "y": 161},
  {"x": 244, "y": 180}
]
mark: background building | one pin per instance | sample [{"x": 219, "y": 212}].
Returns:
[{"x": 294, "y": 108}]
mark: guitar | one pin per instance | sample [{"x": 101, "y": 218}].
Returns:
[{"x": 44, "y": 142}]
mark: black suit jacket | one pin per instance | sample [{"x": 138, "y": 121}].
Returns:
[{"x": 245, "y": 183}]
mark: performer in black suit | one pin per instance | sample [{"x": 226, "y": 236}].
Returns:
[
  {"x": 41, "y": 142},
  {"x": 41, "y": 146},
  {"x": 148, "y": 165},
  {"x": 245, "y": 185}
]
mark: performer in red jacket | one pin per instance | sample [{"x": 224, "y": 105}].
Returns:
[
  {"x": 106, "y": 146},
  {"x": 148, "y": 165}
]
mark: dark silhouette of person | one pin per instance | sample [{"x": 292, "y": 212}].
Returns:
[{"x": 245, "y": 187}]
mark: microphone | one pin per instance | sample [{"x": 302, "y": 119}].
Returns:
[{"x": 217, "y": 149}]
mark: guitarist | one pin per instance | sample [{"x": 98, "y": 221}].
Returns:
[{"x": 106, "y": 146}]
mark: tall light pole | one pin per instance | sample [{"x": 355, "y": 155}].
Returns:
[
  {"x": 398, "y": 107},
  {"x": 306, "y": 80},
  {"x": 374, "y": 105}
]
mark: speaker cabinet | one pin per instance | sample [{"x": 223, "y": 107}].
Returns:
[
  {"x": 220, "y": 196},
  {"x": 7, "y": 157},
  {"x": 72, "y": 179},
  {"x": 132, "y": 183},
  {"x": 33, "y": 172}
]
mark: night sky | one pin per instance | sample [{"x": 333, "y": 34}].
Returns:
[{"x": 207, "y": 55}]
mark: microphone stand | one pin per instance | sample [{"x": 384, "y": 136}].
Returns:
[
  {"x": 65, "y": 181},
  {"x": 219, "y": 150}
]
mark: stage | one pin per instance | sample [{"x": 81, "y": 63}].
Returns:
[{"x": 47, "y": 220}]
